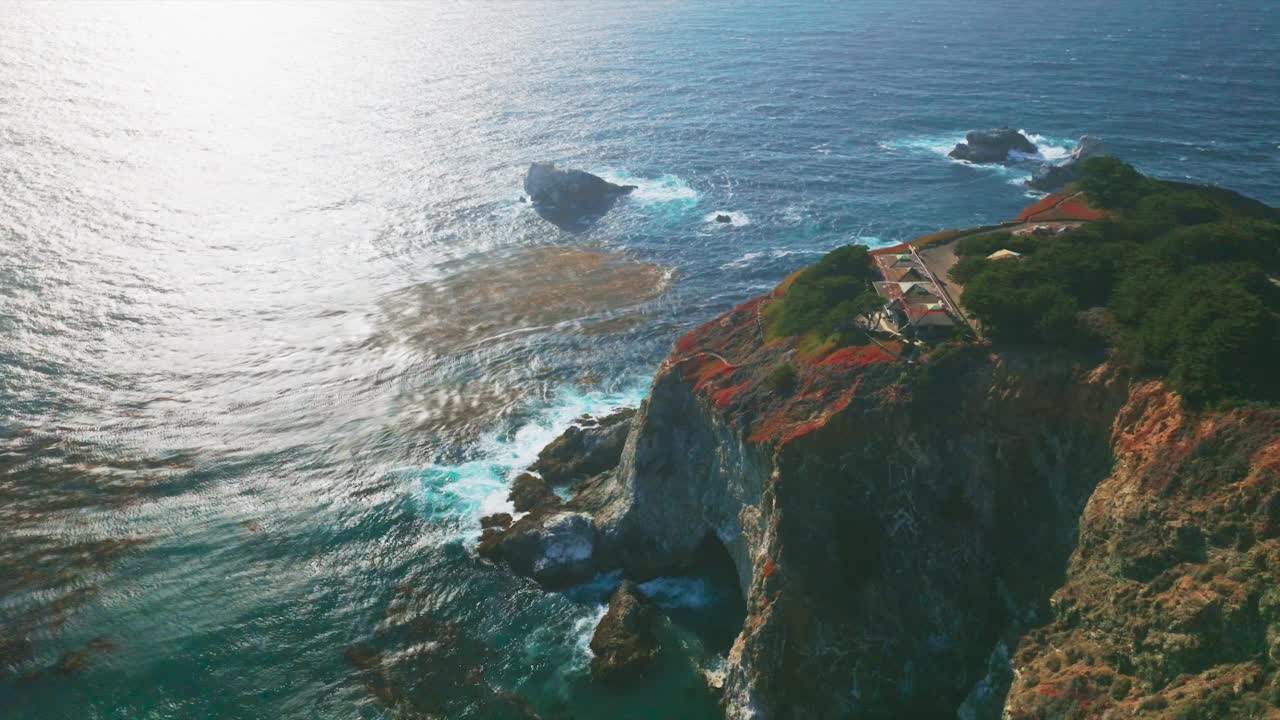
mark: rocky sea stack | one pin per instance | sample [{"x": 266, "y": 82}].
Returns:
[
  {"x": 625, "y": 643},
  {"x": 570, "y": 198},
  {"x": 991, "y": 146}
]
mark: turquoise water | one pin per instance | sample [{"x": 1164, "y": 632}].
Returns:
[{"x": 254, "y": 393}]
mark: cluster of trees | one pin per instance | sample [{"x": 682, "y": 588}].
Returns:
[
  {"x": 1180, "y": 279},
  {"x": 827, "y": 297}
]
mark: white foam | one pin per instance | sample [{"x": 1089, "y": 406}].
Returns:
[
  {"x": 680, "y": 592},
  {"x": 583, "y": 628},
  {"x": 750, "y": 258},
  {"x": 1048, "y": 149},
  {"x": 662, "y": 190},
  {"x": 736, "y": 219},
  {"x": 465, "y": 492}
]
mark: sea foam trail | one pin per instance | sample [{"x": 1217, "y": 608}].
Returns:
[
  {"x": 666, "y": 189},
  {"x": 458, "y": 495},
  {"x": 1048, "y": 149}
]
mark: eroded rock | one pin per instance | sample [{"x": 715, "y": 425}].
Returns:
[
  {"x": 556, "y": 549},
  {"x": 530, "y": 492},
  {"x": 586, "y": 450},
  {"x": 625, "y": 643},
  {"x": 570, "y": 198},
  {"x": 991, "y": 146}
]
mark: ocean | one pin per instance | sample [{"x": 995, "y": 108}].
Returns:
[{"x": 276, "y": 328}]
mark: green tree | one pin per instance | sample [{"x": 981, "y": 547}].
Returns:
[{"x": 1113, "y": 184}]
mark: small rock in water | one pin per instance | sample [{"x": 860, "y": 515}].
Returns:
[
  {"x": 625, "y": 643},
  {"x": 723, "y": 219},
  {"x": 530, "y": 492}
]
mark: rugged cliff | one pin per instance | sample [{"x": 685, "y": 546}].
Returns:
[
  {"x": 900, "y": 530},
  {"x": 974, "y": 532}
]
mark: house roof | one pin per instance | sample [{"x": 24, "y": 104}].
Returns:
[
  {"x": 904, "y": 274},
  {"x": 929, "y": 316}
]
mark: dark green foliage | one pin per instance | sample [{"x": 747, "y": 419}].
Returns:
[
  {"x": 1113, "y": 184},
  {"x": 987, "y": 243},
  {"x": 1180, "y": 280},
  {"x": 967, "y": 267},
  {"x": 828, "y": 297},
  {"x": 1212, "y": 336},
  {"x": 782, "y": 379}
]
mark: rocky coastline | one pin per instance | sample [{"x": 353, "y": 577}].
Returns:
[{"x": 979, "y": 533}]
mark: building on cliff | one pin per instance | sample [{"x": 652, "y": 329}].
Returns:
[{"x": 913, "y": 303}]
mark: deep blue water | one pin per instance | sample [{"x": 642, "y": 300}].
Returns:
[{"x": 244, "y": 319}]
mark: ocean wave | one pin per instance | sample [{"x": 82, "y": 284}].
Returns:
[
  {"x": 666, "y": 189},
  {"x": 750, "y": 258},
  {"x": 583, "y": 630},
  {"x": 686, "y": 593},
  {"x": 1048, "y": 148},
  {"x": 460, "y": 494}
]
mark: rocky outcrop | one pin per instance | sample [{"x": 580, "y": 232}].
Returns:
[
  {"x": 555, "y": 542},
  {"x": 901, "y": 531},
  {"x": 625, "y": 643},
  {"x": 904, "y": 534},
  {"x": 1051, "y": 178},
  {"x": 986, "y": 533},
  {"x": 588, "y": 448},
  {"x": 1171, "y": 603},
  {"x": 991, "y": 146},
  {"x": 556, "y": 548},
  {"x": 570, "y": 198}
]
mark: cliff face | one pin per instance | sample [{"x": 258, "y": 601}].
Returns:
[{"x": 900, "y": 531}]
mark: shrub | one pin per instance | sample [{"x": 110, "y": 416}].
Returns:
[
  {"x": 1180, "y": 275},
  {"x": 1113, "y": 184},
  {"x": 828, "y": 297},
  {"x": 783, "y": 379},
  {"x": 966, "y": 268}
]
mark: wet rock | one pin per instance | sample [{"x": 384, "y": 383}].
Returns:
[
  {"x": 501, "y": 521},
  {"x": 530, "y": 492},
  {"x": 625, "y": 643},
  {"x": 991, "y": 146},
  {"x": 1051, "y": 178},
  {"x": 581, "y": 452},
  {"x": 723, "y": 219},
  {"x": 570, "y": 198},
  {"x": 557, "y": 549}
]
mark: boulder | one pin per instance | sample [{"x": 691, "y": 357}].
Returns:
[
  {"x": 723, "y": 219},
  {"x": 557, "y": 549},
  {"x": 1051, "y": 178},
  {"x": 590, "y": 448},
  {"x": 991, "y": 146},
  {"x": 570, "y": 199},
  {"x": 625, "y": 643},
  {"x": 529, "y": 493},
  {"x": 501, "y": 521}
]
